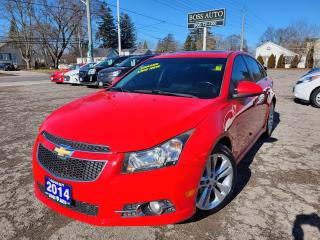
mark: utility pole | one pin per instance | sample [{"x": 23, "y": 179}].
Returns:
[
  {"x": 90, "y": 46},
  {"x": 80, "y": 45},
  {"x": 204, "y": 45},
  {"x": 119, "y": 30},
  {"x": 242, "y": 31}
]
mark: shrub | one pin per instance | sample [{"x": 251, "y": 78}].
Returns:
[
  {"x": 310, "y": 59},
  {"x": 272, "y": 61},
  {"x": 295, "y": 62},
  {"x": 260, "y": 60},
  {"x": 281, "y": 62}
]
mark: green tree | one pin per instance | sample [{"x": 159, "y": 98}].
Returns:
[
  {"x": 145, "y": 45},
  {"x": 260, "y": 60},
  {"x": 272, "y": 61},
  {"x": 295, "y": 61},
  {"x": 106, "y": 33},
  {"x": 281, "y": 62},
  {"x": 167, "y": 44},
  {"x": 188, "y": 43},
  {"x": 128, "y": 32},
  {"x": 309, "y": 58}
]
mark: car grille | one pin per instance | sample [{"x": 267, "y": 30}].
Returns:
[
  {"x": 81, "y": 207},
  {"x": 69, "y": 168},
  {"x": 75, "y": 145}
]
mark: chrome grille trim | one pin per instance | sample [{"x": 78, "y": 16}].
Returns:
[{"x": 78, "y": 146}]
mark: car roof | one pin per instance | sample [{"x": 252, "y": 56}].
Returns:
[{"x": 196, "y": 54}]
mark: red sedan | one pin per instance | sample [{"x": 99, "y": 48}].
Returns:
[{"x": 160, "y": 145}]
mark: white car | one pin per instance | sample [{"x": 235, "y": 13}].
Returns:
[
  {"x": 307, "y": 89},
  {"x": 72, "y": 77}
]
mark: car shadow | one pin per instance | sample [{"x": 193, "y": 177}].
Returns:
[
  {"x": 243, "y": 170},
  {"x": 312, "y": 219},
  {"x": 301, "y": 102}
]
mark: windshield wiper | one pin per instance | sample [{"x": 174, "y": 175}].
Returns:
[
  {"x": 118, "y": 89},
  {"x": 173, "y": 94}
]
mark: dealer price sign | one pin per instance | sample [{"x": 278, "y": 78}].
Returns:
[{"x": 207, "y": 19}]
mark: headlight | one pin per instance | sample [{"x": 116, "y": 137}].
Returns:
[
  {"x": 163, "y": 155},
  {"x": 308, "y": 79},
  {"x": 116, "y": 73},
  {"x": 92, "y": 71}
]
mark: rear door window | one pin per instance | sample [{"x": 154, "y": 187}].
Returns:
[{"x": 254, "y": 69}]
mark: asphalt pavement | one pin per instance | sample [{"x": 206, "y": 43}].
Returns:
[
  {"x": 277, "y": 193},
  {"x": 22, "y": 78}
]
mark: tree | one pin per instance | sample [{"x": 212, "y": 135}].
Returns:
[
  {"x": 260, "y": 60},
  {"x": 20, "y": 14},
  {"x": 309, "y": 58},
  {"x": 272, "y": 61},
  {"x": 145, "y": 45},
  {"x": 128, "y": 35},
  {"x": 106, "y": 33},
  {"x": 194, "y": 46},
  {"x": 295, "y": 61},
  {"x": 281, "y": 62},
  {"x": 188, "y": 43},
  {"x": 167, "y": 44},
  {"x": 56, "y": 27},
  {"x": 268, "y": 35}
]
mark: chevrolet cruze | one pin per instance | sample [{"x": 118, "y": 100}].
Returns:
[{"x": 160, "y": 145}]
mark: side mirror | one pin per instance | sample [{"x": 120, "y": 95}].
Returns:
[
  {"x": 247, "y": 89},
  {"x": 265, "y": 68}
]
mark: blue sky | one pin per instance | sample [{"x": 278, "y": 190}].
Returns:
[{"x": 259, "y": 14}]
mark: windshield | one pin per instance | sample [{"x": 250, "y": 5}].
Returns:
[
  {"x": 187, "y": 77},
  {"x": 130, "y": 62},
  {"x": 106, "y": 63}
]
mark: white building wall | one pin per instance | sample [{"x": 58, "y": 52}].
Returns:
[{"x": 268, "y": 48}]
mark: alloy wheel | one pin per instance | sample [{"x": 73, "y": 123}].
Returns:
[{"x": 215, "y": 183}]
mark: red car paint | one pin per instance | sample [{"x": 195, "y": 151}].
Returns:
[
  {"x": 58, "y": 76},
  {"x": 128, "y": 122}
]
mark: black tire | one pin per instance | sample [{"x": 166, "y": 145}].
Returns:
[
  {"x": 314, "y": 99},
  {"x": 223, "y": 150},
  {"x": 269, "y": 131}
]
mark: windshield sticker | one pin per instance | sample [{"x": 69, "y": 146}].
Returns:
[
  {"x": 149, "y": 67},
  {"x": 218, "y": 68}
]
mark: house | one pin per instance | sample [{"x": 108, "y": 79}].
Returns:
[
  {"x": 266, "y": 49},
  {"x": 135, "y": 51},
  {"x": 99, "y": 54},
  {"x": 11, "y": 49}
]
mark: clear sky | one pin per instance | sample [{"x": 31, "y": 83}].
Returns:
[{"x": 259, "y": 15}]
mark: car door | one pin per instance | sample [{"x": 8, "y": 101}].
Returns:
[
  {"x": 258, "y": 76},
  {"x": 240, "y": 125}
]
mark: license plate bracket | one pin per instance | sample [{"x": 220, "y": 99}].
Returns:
[{"x": 58, "y": 191}]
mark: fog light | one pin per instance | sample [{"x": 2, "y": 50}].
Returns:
[{"x": 156, "y": 207}]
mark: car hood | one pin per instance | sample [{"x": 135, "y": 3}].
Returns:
[
  {"x": 72, "y": 72},
  {"x": 126, "y": 121}
]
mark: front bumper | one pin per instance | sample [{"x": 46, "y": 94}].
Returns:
[
  {"x": 57, "y": 79},
  {"x": 301, "y": 91},
  {"x": 111, "y": 191}
]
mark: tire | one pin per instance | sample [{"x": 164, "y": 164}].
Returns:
[
  {"x": 315, "y": 98},
  {"x": 221, "y": 182},
  {"x": 270, "y": 121}
]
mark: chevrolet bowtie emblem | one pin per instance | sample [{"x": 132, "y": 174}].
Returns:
[{"x": 63, "y": 151}]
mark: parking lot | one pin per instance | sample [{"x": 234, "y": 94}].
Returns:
[{"x": 277, "y": 195}]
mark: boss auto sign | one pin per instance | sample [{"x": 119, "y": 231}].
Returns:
[{"x": 207, "y": 19}]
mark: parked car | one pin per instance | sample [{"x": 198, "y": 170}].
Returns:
[
  {"x": 7, "y": 67},
  {"x": 89, "y": 77},
  {"x": 58, "y": 76},
  {"x": 307, "y": 88},
  {"x": 72, "y": 76},
  {"x": 158, "y": 146},
  {"x": 108, "y": 75}
]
